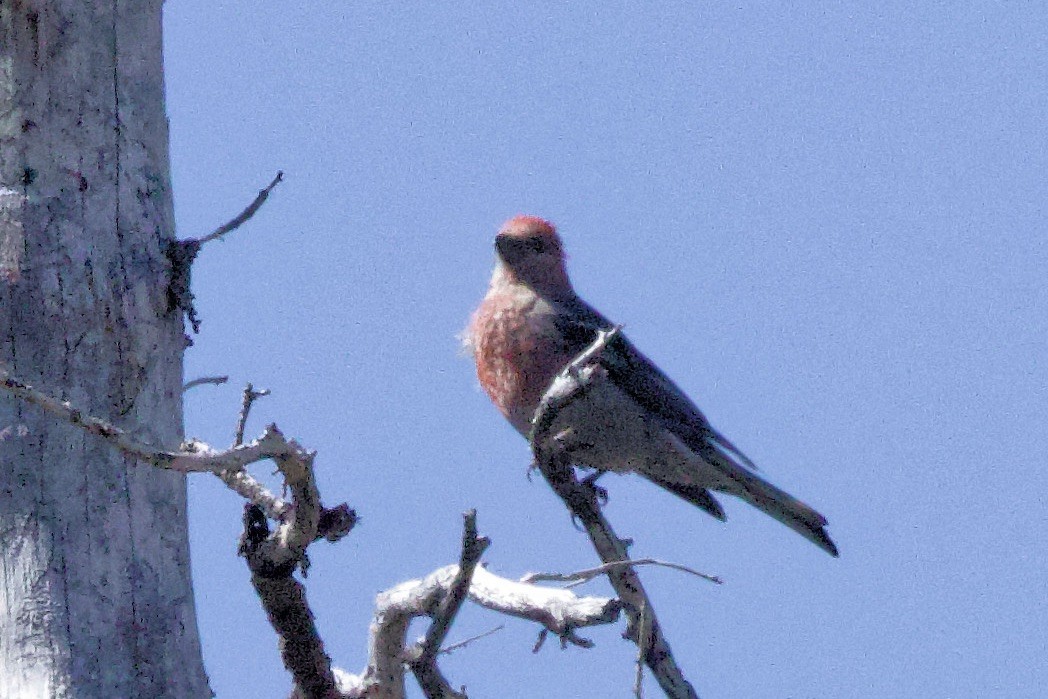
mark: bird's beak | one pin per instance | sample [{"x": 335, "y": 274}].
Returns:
[
  {"x": 510, "y": 249},
  {"x": 503, "y": 247}
]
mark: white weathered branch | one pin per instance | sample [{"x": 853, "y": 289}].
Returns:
[
  {"x": 248, "y": 487},
  {"x": 557, "y": 610},
  {"x": 300, "y": 522}
]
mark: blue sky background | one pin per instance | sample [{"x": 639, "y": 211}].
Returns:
[{"x": 827, "y": 223}]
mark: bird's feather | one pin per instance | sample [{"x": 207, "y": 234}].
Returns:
[{"x": 656, "y": 393}]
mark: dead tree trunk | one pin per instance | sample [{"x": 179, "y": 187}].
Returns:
[{"x": 95, "y": 596}]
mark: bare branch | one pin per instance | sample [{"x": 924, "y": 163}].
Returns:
[
  {"x": 301, "y": 523},
  {"x": 558, "y": 610},
  {"x": 422, "y": 658},
  {"x": 583, "y": 576},
  {"x": 215, "y": 380},
  {"x": 242, "y": 218},
  {"x": 182, "y": 253},
  {"x": 644, "y": 642},
  {"x": 272, "y": 558},
  {"x": 195, "y": 456},
  {"x": 571, "y": 384},
  {"x": 285, "y": 604},
  {"x": 246, "y": 486},
  {"x": 250, "y": 396}
]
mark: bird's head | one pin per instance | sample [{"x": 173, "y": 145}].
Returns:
[{"x": 530, "y": 252}]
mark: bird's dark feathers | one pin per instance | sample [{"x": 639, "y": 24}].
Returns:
[
  {"x": 635, "y": 374},
  {"x": 641, "y": 379}
]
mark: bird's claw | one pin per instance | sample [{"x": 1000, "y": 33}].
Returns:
[
  {"x": 599, "y": 494},
  {"x": 569, "y": 442},
  {"x": 532, "y": 467}
]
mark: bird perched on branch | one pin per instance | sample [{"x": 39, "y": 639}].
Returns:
[{"x": 531, "y": 324}]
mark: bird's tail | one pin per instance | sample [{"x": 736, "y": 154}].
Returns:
[
  {"x": 796, "y": 515},
  {"x": 696, "y": 495}
]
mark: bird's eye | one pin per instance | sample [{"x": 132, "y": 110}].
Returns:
[
  {"x": 535, "y": 244},
  {"x": 513, "y": 249}
]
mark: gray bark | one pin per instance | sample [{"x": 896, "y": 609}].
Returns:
[{"x": 95, "y": 595}]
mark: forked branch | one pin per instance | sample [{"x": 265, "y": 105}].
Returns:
[{"x": 439, "y": 596}]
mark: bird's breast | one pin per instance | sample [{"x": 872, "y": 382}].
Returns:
[{"x": 517, "y": 351}]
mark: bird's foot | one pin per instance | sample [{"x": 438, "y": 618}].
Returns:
[
  {"x": 599, "y": 494},
  {"x": 532, "y": 467},
  {"x": 586, "y": 498},
  {"x": 568, "y": 441}
]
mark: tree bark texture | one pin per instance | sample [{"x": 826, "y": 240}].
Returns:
[{"x": 95, "y": 594}]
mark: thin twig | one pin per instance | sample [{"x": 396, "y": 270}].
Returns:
[
  {"x": 448, "y": 650},
  {"x": 249, "y": 397},
  {"x": 540, "y": 641},
  {"x": 214, "y": 380},
  {"x": 246, "y": 214},
  {"x": 182, "y": 253},
  {"x": 583, "y": 576}
]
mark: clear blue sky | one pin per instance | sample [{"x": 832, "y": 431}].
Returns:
[{"x": 826, "y": 224}]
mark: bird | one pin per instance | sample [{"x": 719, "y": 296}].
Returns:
[{"x": 531, "y": 324}]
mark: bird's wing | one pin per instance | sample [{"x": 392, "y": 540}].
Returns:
[
  {"x": 646, "y": 384},
  {"x": 642, "y": 380}
]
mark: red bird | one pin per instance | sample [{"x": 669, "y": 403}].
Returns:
[{"x": 531, "y": 324}]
